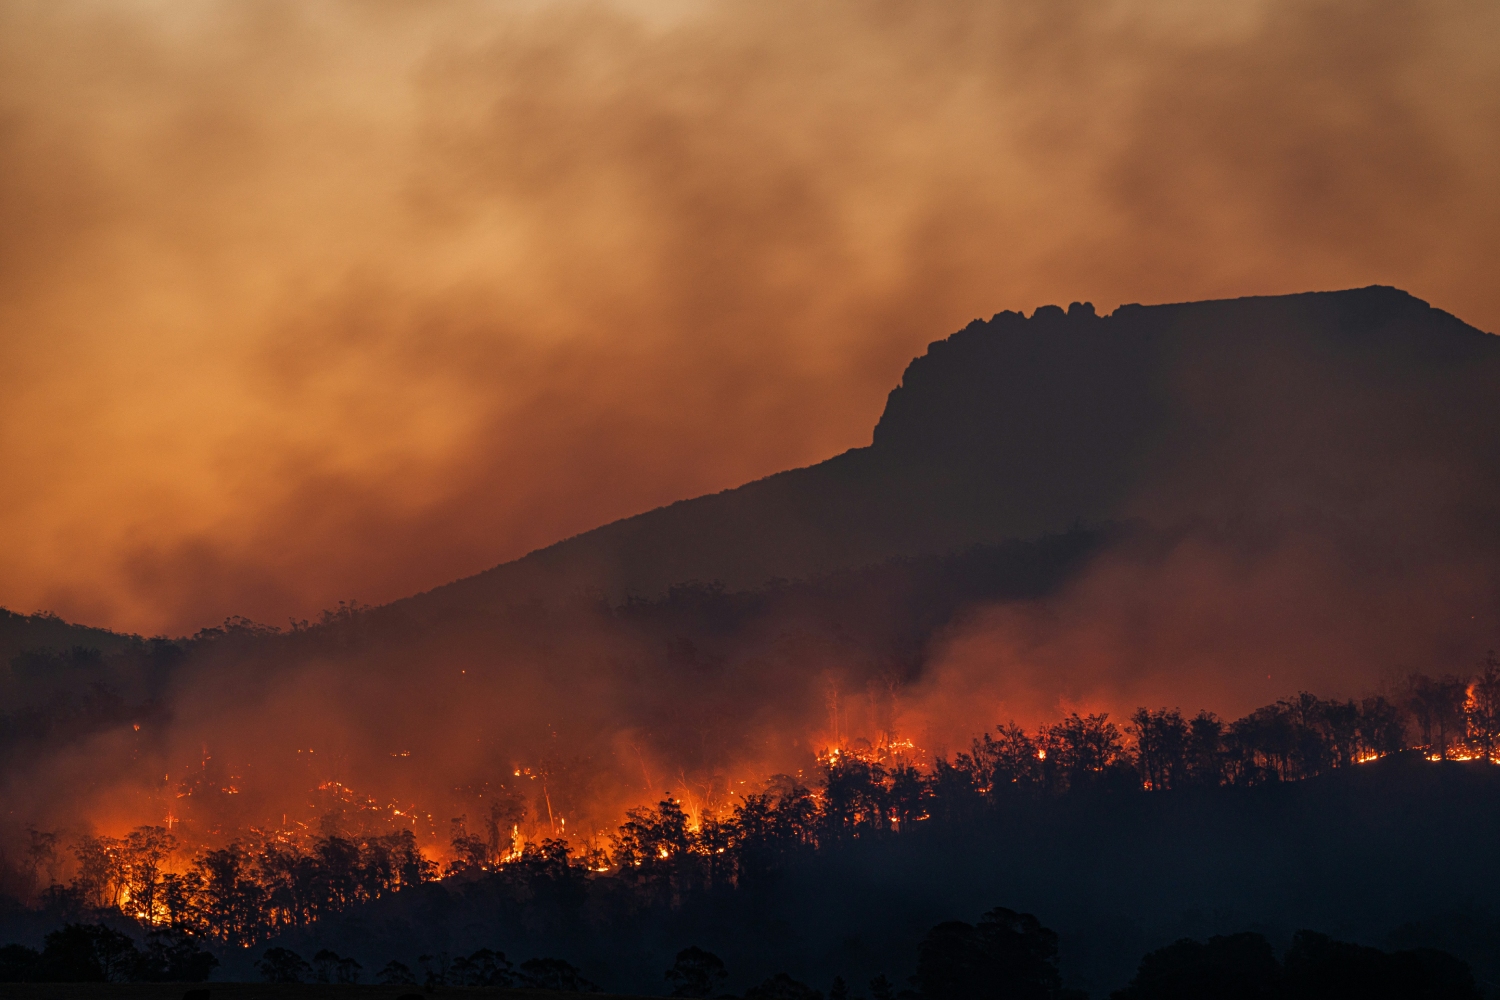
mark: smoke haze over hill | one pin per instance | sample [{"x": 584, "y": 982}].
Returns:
[
  {"x": 302, "y": 302},
  {"x": 1210, "y": 505},
  {"x": 589, "y": 344}
]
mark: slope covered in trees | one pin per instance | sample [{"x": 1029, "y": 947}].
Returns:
[
  {"x": 1307, "y": 812},
  {"x": 1175, "y": 501}
]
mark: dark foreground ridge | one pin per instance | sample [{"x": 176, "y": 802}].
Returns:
[
  {"x": 853, "y": 879},
  {"x": 277, "y": 991}
]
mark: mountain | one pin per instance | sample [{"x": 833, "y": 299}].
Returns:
[
  {"x": 1366, "y": 406},
  {"x": 1208, "y": 504},
  {"x": 1211, "y": 505}
]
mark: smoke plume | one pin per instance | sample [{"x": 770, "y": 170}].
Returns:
[{"x": 303, "y": 302}]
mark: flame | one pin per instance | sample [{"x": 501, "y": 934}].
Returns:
[{"x": 195, "y": 808}]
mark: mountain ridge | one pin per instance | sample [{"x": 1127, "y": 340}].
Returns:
[
  {"x": 1015, "y": 428},
  {"x": 1012, "y": 427}
]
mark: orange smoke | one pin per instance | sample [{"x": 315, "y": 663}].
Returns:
[{"x": 307, "y": 302}]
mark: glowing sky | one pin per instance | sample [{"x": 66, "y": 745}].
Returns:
[{"x": 310, "y": 301}]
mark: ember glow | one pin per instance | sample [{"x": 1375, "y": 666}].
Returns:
[
  {"x": 471, "y": 311},
  {"x": 861, "y": 788}
]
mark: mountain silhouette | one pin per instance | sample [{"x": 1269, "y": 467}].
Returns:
[
  {"x": 1365, "y": 407},
  {"x": 1208, "y": 505}
]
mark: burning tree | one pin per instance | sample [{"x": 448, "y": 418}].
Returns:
[
  {"x": 264, "y": 883},
  {"x": 1438, "y": 707},
  {"x": 1161, "y": 742},
  {"x": 1483, "y": 709}
]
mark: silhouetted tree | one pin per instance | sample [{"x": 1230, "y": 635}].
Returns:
[
  {"x": 1381, "y": 728},
  {"x": 1264, "y": 744},
  {"x": 771, "y": 829},
  {"x": 855, "y": 799},
  {"x": 1484, "y": 709},
  {"x": 485, "y": 969},
  {"x": 332, "y": 968},
  {"x": 907, "y": 796},
  {"x": 1341, "y": 731},
  {"x": 282, "y": 965},
  {"x": 1082, "y": 752},
  {"x": 1007, "y": 761},
  {"x": 324, "y": 963},
  {"x": 100, "y": 876},
  {"x": 1008, "y": 955},
  {"x": 695, "y": 973},
  {"x": 88, "y": 953},
  {"x": 1161, "y": 747},
  {"x": 41, "y": 857},
  {"x": 144, "y": 851},
  {"x": 230, "y": 900},
  {"x": 1234, "y": 967},
  {"x": 435, "y": 969},
  {"x": 1204, "y": 754},
  {"x": 782, "y": 987},
  {"x": 1317, "y": 967},
  {"x": 716, "y": 843},
  {"x": 554, "y": 974},
  {"x": 173, "y": 956},
  {"x": 653, "y": 849},
  {"x": 1438, "y": 707},
  {"x": 953, "y": 793},
  {"x": 471, "y": 853},
  {"x": 395, "y": 973}
]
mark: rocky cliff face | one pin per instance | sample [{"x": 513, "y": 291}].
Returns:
[{"x": 1366, "y": 408}]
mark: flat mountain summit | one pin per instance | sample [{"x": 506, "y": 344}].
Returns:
[{"x": 1365, "y": 409}]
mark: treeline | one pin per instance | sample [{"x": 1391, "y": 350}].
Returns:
[
  {"x": 264, "y": 885},
  {"x": 1315, "y": 967},
  {"x": 1449, "y": 718},
  {"x": 484, "y": 969},
  {"x": 1004, "y": 956},
  {"x": 1011, "y": 955},
  {"x": 236, "y": 895},
  {"x": 95, "y": 953}
]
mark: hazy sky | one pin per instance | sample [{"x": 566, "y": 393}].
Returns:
[{"x": 309, "y": 301}]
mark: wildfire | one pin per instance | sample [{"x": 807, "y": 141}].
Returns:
[
  {"x": 881, "y": 785},
  {"x": 886, "y": 750},
  {"x": 1462, "y": 754}
]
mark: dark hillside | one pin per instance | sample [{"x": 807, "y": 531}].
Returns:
[
  {"x": 1019, "y": 426},
  {"x": 1358, "y": 854},
  {"x": 44, "y": 632},
  {"x": 1309, "y": 482},
  {"x": 265, "y": 991},
  {"x": 699, "y": 679},
  {"x": 1209, "y": 505}
]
